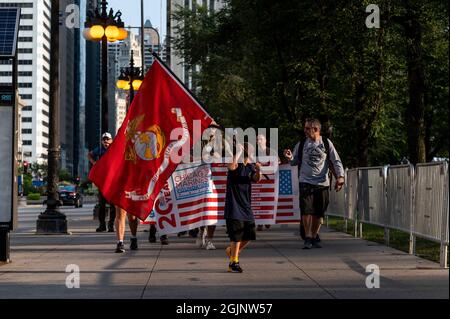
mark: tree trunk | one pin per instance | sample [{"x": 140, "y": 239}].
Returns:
[{"x": 416, "y": 81}]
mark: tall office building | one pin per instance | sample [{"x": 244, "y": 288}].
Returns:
[
  {"x": 67, "y": 73},
  {"x": 34, "y": 75},
  {"x": 93, "y": 88},
  {"x": 174, "y": 60},
  {"x": 80, "y": 164},
  {"x": 152, "y": 43},
  {"x": 119, "y": 55}
]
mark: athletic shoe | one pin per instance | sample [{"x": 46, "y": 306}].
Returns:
[
  {"x": 318, "y": 238},
  {"x": 315, "y": 244},
  {"x": 133, "y": 244},
  {"x": 164, "y": 240},
  {"x": 210, "y": 245},
  {"x": 120, "y": 248},
  {"x": 267, "y": 226},
  {"x": 201, "y": 241},
  {"x": 101, "y": 229},
  {"x": 152, "y": 235},
  {"x": 228, "y": 251},
  {"x": 234, "y": 267},
  {"x": 259, "y": 228},
  {"x": 308, "y": 243}
]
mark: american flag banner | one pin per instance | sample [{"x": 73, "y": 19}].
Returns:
[{"x": 194, "y": 196}]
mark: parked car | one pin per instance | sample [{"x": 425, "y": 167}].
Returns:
[{"x": 70, "y": 195}]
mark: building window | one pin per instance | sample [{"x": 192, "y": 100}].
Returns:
[
  {"x": 26, "y": 142},
  {"x": 44, "y": 145},
  {"x": 25, "y": 73},
  {"x": 45, "y": 113},
  {"x": 25, "y": 62},
  {"x": 5, "y": 73},
  {"x": 26, "y": 96},
  {"x": 25, "y": 85},
  {"x": 26, "y": 16},
  {"x": 26, "y": 27},
  {"x": 46, "y": 91},
  {"x": 26, "y": 119},
  {"x": 27, "y": 50},
  {"x": 46, "y": 102},
  {"x": 45, "y": 134},
  {"x": 15, "y": 4},
  {"x": 27, "y": 108},
  {"x": 45, "y": 123},
  {"x": 27, "y": 131},
  {"x": 25, "y": 39},
  {"x": 27, "y": 154},
  {"x": 45, "y": 80}
]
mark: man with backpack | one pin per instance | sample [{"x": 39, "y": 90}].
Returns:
[{"x": 315, "y": 157}]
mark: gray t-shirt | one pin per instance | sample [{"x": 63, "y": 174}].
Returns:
[{"x": 314, "y": 169}]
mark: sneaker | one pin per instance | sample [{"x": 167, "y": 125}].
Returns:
[
  {"x": 201, "y": 241},
  {"x": 120, "y": 248},
  {"x": 228, "y": 251},
  {"x": 182, "y": 233},
  {"x": 152, "y": 239},
  {"x": 316, "y": 245},
  {"x": 164, "y": 240},
  {"x": 308, "y": 243},
  {"x": 259, "y": 228},
  {"x": 110, "y": 229},
  {"x": 267, "y": 226},
  {"x": 210, "y": 245},
  {"x": 133, "y": 244},
  {"x": 318, "y": 238},
  {"x": 234, "y": 267},
  {"x": 101, "y": 229}
]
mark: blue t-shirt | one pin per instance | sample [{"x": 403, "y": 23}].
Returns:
[{"x": 239, "y": 193}]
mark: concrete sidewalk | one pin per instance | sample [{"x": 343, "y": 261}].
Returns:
[{"x": 274, "y": 266}]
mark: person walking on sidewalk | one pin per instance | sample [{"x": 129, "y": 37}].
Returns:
[
  {"x": 316, "y": 158},
  {"x": 93, "y": 157},
  {"x": 152, "y": 236},
  {"x": 133, "y": 223},
  {"x": 238, "y": 214}
]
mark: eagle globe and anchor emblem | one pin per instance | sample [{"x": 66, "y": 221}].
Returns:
[{"x": 149, "y": 145}]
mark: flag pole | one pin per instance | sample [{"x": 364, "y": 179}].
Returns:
[{"x": 157, "y": 57}]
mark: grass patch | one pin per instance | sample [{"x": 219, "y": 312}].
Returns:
[{"x": 398, "y": 239}]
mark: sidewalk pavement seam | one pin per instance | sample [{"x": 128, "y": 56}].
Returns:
[
  {"x": 299, "y": 268},
  {"x": 151, "y": 272}
]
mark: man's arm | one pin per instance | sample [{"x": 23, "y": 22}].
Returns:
[
  {"x": 293, "y": 156},
  {"x": 337, "y": 168},
  {"x": 257, "y": 175},
  {"x": 234, "y": 164},
  {"x": 90, "y": 157}
]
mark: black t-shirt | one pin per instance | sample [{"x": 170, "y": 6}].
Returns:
[{"x": 239, "y": 192}]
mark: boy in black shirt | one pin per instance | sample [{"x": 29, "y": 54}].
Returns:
[{"x": 238, "y": 213}]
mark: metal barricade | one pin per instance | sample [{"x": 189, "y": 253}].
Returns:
[
  {"x": 399, "y": 197},
  {"x": 336, "y": 207},
  {"x": 371, "y": 195},
  {"x": 351, "y": 194},
  {"x": 430, "y": 200}
]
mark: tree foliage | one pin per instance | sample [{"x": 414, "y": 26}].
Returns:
[{"x": 381, "y": 93}]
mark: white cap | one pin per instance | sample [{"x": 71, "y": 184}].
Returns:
[{"x": 107, "y": 135}]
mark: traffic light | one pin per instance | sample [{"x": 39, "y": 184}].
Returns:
[{"x": 25, "y": 167}]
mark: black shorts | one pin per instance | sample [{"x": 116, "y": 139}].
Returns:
[
  {"x": 240, "y": 230},
  {"x": 314, "y": 199}
]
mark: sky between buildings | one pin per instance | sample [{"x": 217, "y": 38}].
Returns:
[{"x": 155, "y": 10}]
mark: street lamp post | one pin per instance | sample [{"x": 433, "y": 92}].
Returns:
[
  {"x": 130, "y": 79},
  {"x": 106, "y": 27},
  {"x": 52, "y": 220}
]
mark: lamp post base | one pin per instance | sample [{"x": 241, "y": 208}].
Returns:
[{"x": 51, "y": 222}]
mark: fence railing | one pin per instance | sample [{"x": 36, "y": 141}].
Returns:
[{"x": 413, "y": 200}]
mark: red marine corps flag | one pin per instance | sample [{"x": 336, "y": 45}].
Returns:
[{"x": 139, "y": 161}]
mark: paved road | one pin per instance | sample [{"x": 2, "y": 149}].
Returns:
[{"x": 275, "y": 266}]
